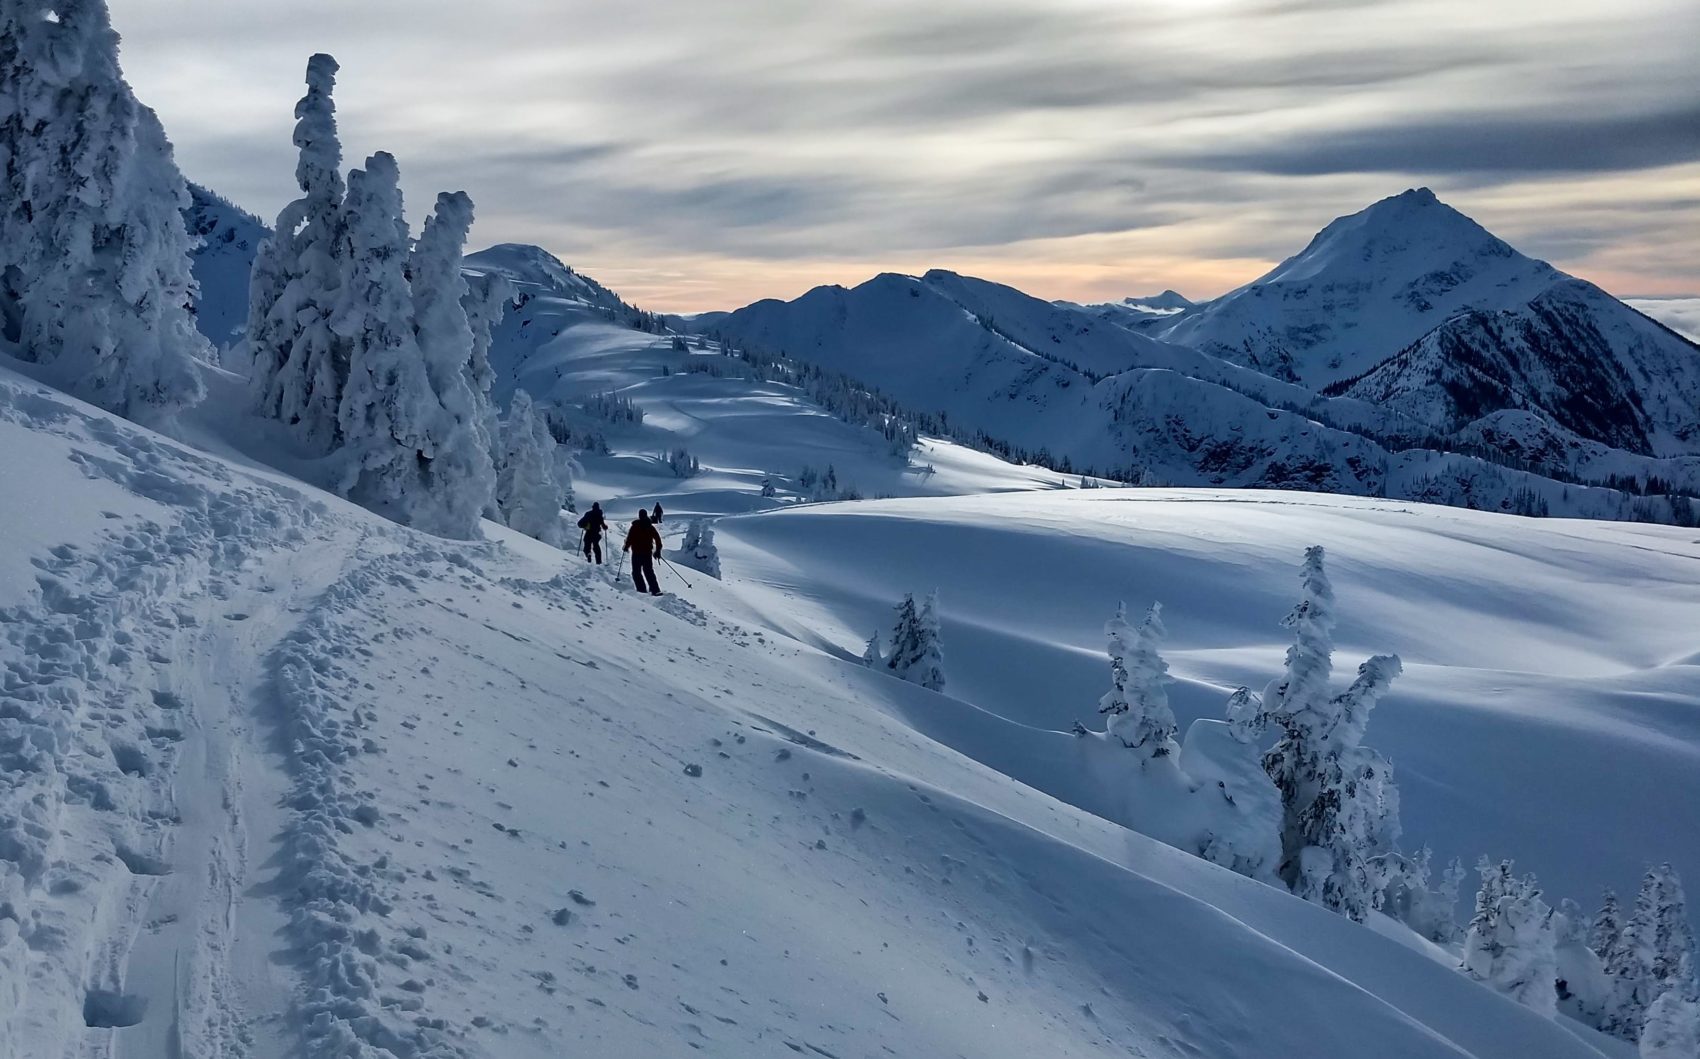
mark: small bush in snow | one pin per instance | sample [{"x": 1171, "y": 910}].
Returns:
[{"x": 698, "y": 550}]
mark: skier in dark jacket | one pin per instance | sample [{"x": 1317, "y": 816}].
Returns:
[
  {"x": 655, "y": 516},
  {"x": 645, "y": 544},
  {"x": 594, "y": 525}
]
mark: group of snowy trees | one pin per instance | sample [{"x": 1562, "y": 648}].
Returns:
[
  {"x": 1338, "y": 824},
  {"x": 1332, "y": 800},
  {"x": 95, "y": 282},
  {"x": 373, "y": 348},
  {"x": 916, "y": 652}
]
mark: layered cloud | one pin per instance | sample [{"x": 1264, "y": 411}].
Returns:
[{"x": 701, "y": 155}]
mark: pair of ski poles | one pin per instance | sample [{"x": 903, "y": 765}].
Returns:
[{"x": 622, "y": 565}]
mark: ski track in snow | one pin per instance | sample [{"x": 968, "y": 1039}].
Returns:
[{"x": 98, "y": 716}]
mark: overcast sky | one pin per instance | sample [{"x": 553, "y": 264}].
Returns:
[{"x": 697, "y": 154}]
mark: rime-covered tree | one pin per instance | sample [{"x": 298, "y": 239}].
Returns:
[
  {"x": 698, "y": 550},
  {"x": 299, "y": 365},
  {"x": 916, "y": 655},
  {"x": 530, "y": 486},
  {"x": 1582, "y": 988},
  {"x": 1671, "y": 1029},
  {"x": 95, "y": 279},
  {"x": 1340, "y": 809},
  {"x": 484, "y": 300},
  {"x": 1656, "y": 943},
  {"x": 393, "y": 423},
  {"x": 1510, "y": 944},
  {"x": 1137, "y": 703},
  {"x": 461, "y": 469},
  {"x": 1605, "y": 933}
]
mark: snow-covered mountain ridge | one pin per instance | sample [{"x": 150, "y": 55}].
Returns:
[{"x": 1601, "y": 393}]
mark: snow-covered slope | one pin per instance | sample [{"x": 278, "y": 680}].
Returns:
[
  {"x": 296, "y": 781},
  {"x": 1574, "y": 355},
  {"x": 568, "y": 342},
  {"x": 1551, "y": 692}
]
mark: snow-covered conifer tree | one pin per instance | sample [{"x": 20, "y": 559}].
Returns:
[
  {"x": 1606, "y": 932},
  {"x": 94, "y": 253},
  {"x": 1673, "y": 935},
  {"x": 299, "y": 366},
  {"x": 1137, "y": 702},
  {"x": 1582, "y": 987},
  {"x": 461, "y": 469},
  {"x": 1655, "y": 943},
  {"x": 916, "y": 655},
  {"x": 1672, "y": 1027},
  {"x": 530, "y": 489},
  {"x": 1339, "y": 806},
  {"x": 1511, "y": 945}
]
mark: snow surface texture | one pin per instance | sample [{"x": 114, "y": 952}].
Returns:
[{"x": 490, "y": 805}]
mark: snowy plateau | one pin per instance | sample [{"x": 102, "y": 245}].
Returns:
[{"x": 282, "y": 776}]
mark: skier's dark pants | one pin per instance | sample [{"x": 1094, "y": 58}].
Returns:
[
  {"x": 643, "y": 568},
  {"x": 590, "y": 543}
]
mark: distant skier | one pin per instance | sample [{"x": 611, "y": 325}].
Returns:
[
  {"x": 655, "y": 516},
  {"x": 594, "y": 524},
  {"x": 644, "y": 544}
]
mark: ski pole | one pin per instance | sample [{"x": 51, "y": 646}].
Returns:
[{"x": 676, "y": 573}]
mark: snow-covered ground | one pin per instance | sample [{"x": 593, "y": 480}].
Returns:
[
  {"x": 282, "y": 758},
  {"x": 1551, "y": 695}
]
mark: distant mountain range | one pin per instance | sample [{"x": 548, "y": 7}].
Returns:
[{"x": 1405, "y": 352}]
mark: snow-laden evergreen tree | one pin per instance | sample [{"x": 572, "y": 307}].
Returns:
[
  {"x": 1511, "y": 945},
  {"x": 461, "y": 469},
  {"x": 1655, "y": 945},
  {"x": 1246, "y": 719},
  {"x": 1672, "y": 1027},
  {"x": 1406, "y": 894},
  {"x": 1605, "y": 935},
  {"x": 95, "y": 277},
  {"x": 530, "y": 486},
  {"x": 916, "y": 655},
  {"x": 299, "y": 366},
  {"x": 1582, "y": 987},
  {"x": 1137, "y": 703},
  {"x": 698, "y": 550},
  {"x": 484, "y": 300},
  {"x": 1673, "y": 941},
  {"x": 395, "y": 428},
  {"x": 1340, "y": 809}
]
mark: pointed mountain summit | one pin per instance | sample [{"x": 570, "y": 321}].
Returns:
[{"x": 1368, "y": 285}]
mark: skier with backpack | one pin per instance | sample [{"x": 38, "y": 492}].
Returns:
[
  {"x": 644, "y": 543},
  {"x": 594, "y": 524}
]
